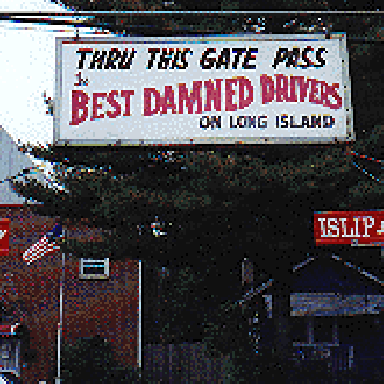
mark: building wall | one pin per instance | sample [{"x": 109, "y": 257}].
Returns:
[{"x": 107, "y": 308}]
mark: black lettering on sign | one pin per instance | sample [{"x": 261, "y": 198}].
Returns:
[
  {"x": 305, "y": 122},
  {"x": 114, "y": 55},
  {"x": 292, "y": 57},
  {"x": 305, "y": 56},
  {"x": 212, "y": 122},
  {"x": 238, "y": 51},
  {"x": 205, "y": 62},
  {"x": 176, "y": 58},
  {"x": 106, "y": 59},
  {"x": 83, "y": 55},
  {"x": 126, "y": 59},
  {"x": 98, "y": 60},
  {"x": 170, "y": 58},
  {"x": 224, "y": 58},
  {"x": 165, "y": 57},
  {"x": 184, "y": 62},
  {"x": 319, "y": 57},
  {"x": 249, "y": 56},
  {"x": 153, "y": 52}
]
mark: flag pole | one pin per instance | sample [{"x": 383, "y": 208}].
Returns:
[{"x": 58, "y": 379}]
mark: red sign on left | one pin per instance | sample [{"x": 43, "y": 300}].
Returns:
[{"x": 4, "y": 237}]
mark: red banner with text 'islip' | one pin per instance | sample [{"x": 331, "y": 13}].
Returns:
[{"x": 349, "y": 227}]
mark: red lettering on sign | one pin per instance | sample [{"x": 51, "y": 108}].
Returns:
[
  {"x": 244, "y": 103},
  {"x": 168, "y": 101},
  {"x": 331, "y": 90},
  {"x": 148, "y": 92},
  {"x": 97, "y": 105},
  {"x": 281, "y": 88},
  {"x": 267, "y": 89},
  {"x": 114, "y": 104},
  {"x": 80, "y": 106},
  {"x": 313, "y": 95},
  {"x": 79, "y": 103},
  {"x": 320, "y": 91},
  {"x": 229, "y": 92},
  {"x": 190, "y": 99},
  {"x": 127, "y": 96},
  {"x": 213, "y": 93}
]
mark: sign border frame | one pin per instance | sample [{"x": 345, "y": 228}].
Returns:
[{"x": 341, "y": 36}]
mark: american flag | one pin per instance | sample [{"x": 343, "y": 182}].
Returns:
[{"x": 45, "y": 246}]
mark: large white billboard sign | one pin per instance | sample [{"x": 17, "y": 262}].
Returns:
[{"x": 230, "y": 89}]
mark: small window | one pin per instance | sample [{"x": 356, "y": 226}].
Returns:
[{"x": 94, "y": 269}]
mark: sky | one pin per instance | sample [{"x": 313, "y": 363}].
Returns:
[{"x": 27, "y": 58}]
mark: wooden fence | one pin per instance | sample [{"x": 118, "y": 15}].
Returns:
[{"x": 184, "y": 363}]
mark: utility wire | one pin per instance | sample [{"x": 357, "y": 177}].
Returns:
[
  {"x": 365, "y": 172},
  {"x": 90, "y": 13},
  {"x": 366, "y": 157},
  {"x": 357, "y": 155}
]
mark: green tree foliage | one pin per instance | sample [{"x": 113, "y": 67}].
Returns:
[
  {"x": 228, "y": 334},
  {"x": 232, "y": 171},
  {"x": 196, "y": 188},
  {"x": 223, "y": 335},
  {"x": 179, "y": 294}
]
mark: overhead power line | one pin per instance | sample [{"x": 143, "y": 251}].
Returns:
[
  {"x": 357, "y": 155},
  {"x": 90, "y": 13},
  {"x": 366, "y": 157},
  {"x": 365, "y": 172}
]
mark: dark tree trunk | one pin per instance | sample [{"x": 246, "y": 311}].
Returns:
[{"x": 281, "y": 320}]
